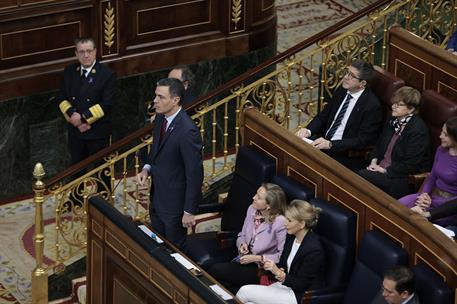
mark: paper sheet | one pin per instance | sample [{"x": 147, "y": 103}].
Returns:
[
  {"x": 307, "y": 140},
  {"x": 221, "y": 292},
  {"x": 447, "y": 232},
  {"x": 150, "y": 234},
  {"x": 183, "y": 261}
]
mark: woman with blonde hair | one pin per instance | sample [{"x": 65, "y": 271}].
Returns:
[
  {"x": 302, "y": 263},
  {"x": 262, "y": 237}
]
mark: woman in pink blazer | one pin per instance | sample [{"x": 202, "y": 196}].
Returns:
[{"x": 262, "y": 237}]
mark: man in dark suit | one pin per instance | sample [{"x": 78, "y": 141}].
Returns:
[
  {"x": 85, "y": 99},
  {"x": 350, "y": 121},
  {"x": 397, "y": 287},
  {"x": 175, "y": 163},
  {"x": 183, "y": 73}
]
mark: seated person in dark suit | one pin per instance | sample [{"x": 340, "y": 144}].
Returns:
[
  {"x": 350, "y": 121},
  {"x": 441, "y": 185},
  {"x": 302, "y": 262},
  {"x": 262, "y": 236},
  {"x": 397, "y": 287},
  {"x": 403, "y": 147}
]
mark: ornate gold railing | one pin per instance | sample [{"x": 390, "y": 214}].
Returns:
[{"x": 290, "y": 94}]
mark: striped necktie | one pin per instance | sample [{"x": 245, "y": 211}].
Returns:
[{"x": 339, "y": 117}]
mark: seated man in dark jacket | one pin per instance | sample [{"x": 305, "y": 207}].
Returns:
[
  {"x": 397, "y": 287},
  {"x": 350, "y": 121}
]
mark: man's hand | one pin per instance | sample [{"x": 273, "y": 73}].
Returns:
[
  {"x": 75, "y": 119},
  {"x": 188, "y": 220},
  {"x": 142, "y": 177},
  {"x": 84, "y": 127},
  {"x": 303, "y": 133},
  {"x": 322, "y": 144}
]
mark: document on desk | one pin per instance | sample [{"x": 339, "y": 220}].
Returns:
[
  {"x": 221, "y": 292},
  {"x": 151, "y": 234},
  {"x": 449, "y": 233},
  {"x": 183, "y": 261},
  {"x": 307, "y": 140}
]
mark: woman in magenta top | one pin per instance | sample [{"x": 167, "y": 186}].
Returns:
[{"x": 441, "y": 185}]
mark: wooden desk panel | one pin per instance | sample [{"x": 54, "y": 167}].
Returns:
[
  {"x": 421, "y": 64},
  {"x": 375, "y": 209},
  {"x": 121, "y": 270}
]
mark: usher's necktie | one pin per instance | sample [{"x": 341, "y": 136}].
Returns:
[{"x": 339, "y": 118}]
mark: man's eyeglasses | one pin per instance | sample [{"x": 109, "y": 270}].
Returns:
[
  {"x": 350, "y": 75},
  {"x": 83, "y": 52}
]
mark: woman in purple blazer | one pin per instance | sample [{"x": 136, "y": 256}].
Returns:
[{"x": 262, "y": 237}]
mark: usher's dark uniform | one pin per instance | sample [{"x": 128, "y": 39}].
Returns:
[{"x": 93, "y": 98}]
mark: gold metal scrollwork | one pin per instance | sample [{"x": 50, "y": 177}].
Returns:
[
  {"x": 236, "y": 12},
  {"x": 109, "y": 26}
]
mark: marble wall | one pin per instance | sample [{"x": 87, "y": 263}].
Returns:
[{"x": 33, "y": 130}]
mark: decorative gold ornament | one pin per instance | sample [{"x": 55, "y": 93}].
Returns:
[
  {"x": 236, "y": 12},
  {"x": 109, "y": 26}
]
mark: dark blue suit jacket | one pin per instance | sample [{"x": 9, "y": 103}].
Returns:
[
  {"x": 176, "y": 166},
  {"x": 98, "y": 88},
  {"x": 363, "y": 125},
  {"x": 307, "y": 269}
]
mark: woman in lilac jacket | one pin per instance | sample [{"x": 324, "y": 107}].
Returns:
[
  {"x": 262, "y": 237},
  {"x": 441, "y": 185}
]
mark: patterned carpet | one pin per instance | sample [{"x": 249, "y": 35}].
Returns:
[{"x": 297, "y": 20}]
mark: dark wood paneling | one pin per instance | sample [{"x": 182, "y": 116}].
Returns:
[
  {"x": 174, "y": 20},
  {"x": 122, "y": 281},
  {"x": 40, "y": 39},
  {"x": 262, "y": 11},
  {"x": 8, "y": 4},
  {"x": 121, "y": 271},
  {"x": 157, "y": 25},
  {"x": 375, "y": 209},
  {"x": 136, "y": 36},
  {"x": 422, "y": 64}
]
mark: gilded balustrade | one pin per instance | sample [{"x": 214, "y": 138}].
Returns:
[{"x": 291, "y": 95}]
